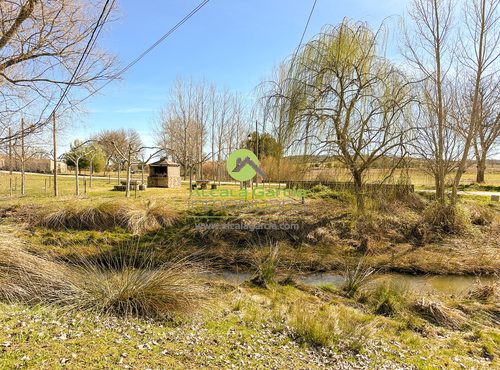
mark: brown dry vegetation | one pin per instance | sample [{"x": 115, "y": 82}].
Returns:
[
  {"x": 403, "y": 234},
  {"x": 117, "y": 286},
  {"x": 136, "y": 217}
]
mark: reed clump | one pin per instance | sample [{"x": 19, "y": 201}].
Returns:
[
  {"x": 117, "y": 287},
  {"x": 136, "y": 217}
]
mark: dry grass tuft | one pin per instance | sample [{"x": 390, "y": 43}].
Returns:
[
  {"x": 356, "y": 275},
  {"x": 265, "y": 263},
  {"x": 482, "y": 292},
  {"x": 116, "y": 287},
  {"x": 481, "y": 215},
  {"x": 447, "y": 219},
  {"x": 136, "y": 217},
  {"x": 438, "y": 314}
]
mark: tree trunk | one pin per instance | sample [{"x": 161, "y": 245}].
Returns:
[
  {"x": 481, "y": 168},
  {"x": 119, "y": 170},
  {"x": 55, "y": 153},
  {"x": 190, "y": 180},
  {"x": 22, "y": 177},
  {"x": 129, "y": 165},
  {"x": 10, "y": 152},
  {"x": 440, "y": 189},
  {"x": 127, "y": 190},
  {"x": 76, "y": 177},
  {"x": 105, "y": 166},
  {"x": 91, "y": 172},
  {"x": 358, "y": 188}
]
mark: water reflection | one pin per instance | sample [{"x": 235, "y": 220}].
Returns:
[{"x": 446, "y": 284}]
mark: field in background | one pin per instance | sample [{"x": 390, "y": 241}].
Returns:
[
  {"x": 417, "y": 176},
  {"x": 101, "y": 188}
]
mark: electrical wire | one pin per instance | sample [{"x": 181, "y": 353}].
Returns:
[
  {"x": 95, "y": 32},
  {"x": 127, "y": 67},
  {"x": 90, "y": 44},
  {"x": 307, "y": 24},
  {"x": 99, "y": 24}
]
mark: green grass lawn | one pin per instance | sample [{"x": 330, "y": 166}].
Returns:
[{"x": 247, "y": 327}]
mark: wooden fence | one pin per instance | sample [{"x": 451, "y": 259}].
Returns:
[{"x": 350, "y": 186}]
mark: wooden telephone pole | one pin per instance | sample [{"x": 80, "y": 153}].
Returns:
[
  {"x": 23, "y": 157},
  {"x": 10, "y": 152},
  {"x": 55, "y": 152}
]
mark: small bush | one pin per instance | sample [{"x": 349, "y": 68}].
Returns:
[
  {"x": 325, "y": 326},
  {"x": 317, "y": 327},
  {"x": 266, "y": 262},
  {"x": 388, "y": 298},
  {"x": 485, "y": 293},
  {"x": 480, "y": 215}
]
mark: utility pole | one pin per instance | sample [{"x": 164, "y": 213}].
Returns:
[
  {"x": 55, "y": 152},
  {"x": 22, "y": 156},
  {"x": 256, "y": 150},
  {"x": 10, "y": 152}
]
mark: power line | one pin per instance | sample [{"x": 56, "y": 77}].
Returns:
[
  {"x": 201, "y": 5},
  {"x": 126, "y": 68},
  {"x": 307, "y": 24},
  {"x": 99, "y": 24},
  {"x": 95, "y": 32},
  {"x": 90, "y": 44}
]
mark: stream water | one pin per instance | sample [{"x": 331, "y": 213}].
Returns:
[{"x": 446, "y": 284}]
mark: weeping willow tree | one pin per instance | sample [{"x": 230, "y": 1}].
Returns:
[{"x": 341, "y": 98}]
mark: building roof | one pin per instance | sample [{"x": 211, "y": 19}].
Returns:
[{"x": 164, "y": 162}]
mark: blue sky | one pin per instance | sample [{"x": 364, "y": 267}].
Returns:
[{"x": 229, "y": 42}]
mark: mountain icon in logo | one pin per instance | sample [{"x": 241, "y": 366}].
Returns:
[{"x": 243, "y": 164}]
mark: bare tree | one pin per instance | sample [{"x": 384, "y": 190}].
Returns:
[
  {"x": 272, "y": 107},
  {"x": 488, "y": 130},
  {"x": 434, "y": 46},
  {"x": 198, "y": 116},
  {"x": 95, "y": 152},
  {"x": 479, "y": 53},
  {"x": 180, "y": 124},
  {"x": 128, "y": 148},
  {"x": 428, "y": 44},
  {"x": 105, "y": 138},
  {"x": 25, "y": 149},
  {"x": 429, "y": 136},
  {"x": 42, "y": 44}
]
